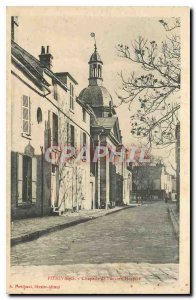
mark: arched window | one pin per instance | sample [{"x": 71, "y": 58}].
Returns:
[
  {"x": 91, "y": 70},
  {"x": 94, "y": 71},
  {"x": 99, "y": 71},
  {"x": 39, "y": 115}
]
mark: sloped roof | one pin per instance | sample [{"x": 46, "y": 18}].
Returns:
[
  {"x": 107, "y": 123},
  {"x": 26, "y": 61},
  {"x": 33, "y": 65},
  {"x": 96, "y": 96},
  {"x": 95, "y": 57}
]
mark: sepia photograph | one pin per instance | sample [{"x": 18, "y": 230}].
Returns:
[{"x": 98, "y": 128}]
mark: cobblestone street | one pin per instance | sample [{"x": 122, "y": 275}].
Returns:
[{"x": 141, "y": 234}]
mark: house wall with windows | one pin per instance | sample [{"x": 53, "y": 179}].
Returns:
[
  {"x": 46, "y": 117},
  {"x": 29, "y": 122},
  {"x": 74, "y": 130}
]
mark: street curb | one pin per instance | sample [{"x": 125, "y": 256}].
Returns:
[
  {"x": 175, "y": 223},
  {"x": 35, "y": 235}
]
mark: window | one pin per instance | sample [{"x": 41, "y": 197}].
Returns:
[
  {"x": 27, "y": 179},
  {"x": 71, "y": 96},
  {"x": 39, "y": 115},
  {"x": 26, "y": 126},
  {"x": 72, "y": 136},
  {"x": 99, "y": 70},
  {"x": 94, "y": 71},
  {"x": 68, "y": 134},
  {"x": 54, "y": 130},
  {"x": 84, "y": 144},
  {"x": 84, "y": 115},
  {"x": 53, "y": 169},
  {"x": 55, "y": 92},
  {"x": 84, "y": 138}
]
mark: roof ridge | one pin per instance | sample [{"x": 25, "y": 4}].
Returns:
[{"x": 29, "y": 54}]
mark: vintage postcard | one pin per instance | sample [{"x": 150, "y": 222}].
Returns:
[{"x": 98, "y": 129}]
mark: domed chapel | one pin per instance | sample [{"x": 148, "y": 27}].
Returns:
[{"x": 111, "y": 178}]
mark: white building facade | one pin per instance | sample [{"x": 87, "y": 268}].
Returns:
[{"x": 45, "y": 114}]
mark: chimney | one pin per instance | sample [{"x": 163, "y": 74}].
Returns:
[
  {"x": 45, "y": 58},
  {"x": 14, "y": 28}
]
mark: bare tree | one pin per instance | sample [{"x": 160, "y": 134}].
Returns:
[{"x": 155, "y": 92}]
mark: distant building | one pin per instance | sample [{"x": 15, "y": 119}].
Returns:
[
  {"x": 112, "y": 179},
  {"x": 151, "y": 182},
  {"x": 174, "y": 196}
]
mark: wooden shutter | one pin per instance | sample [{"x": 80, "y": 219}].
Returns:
[
  {"x": 75, "y": 138},
  {"x": 70, "y": 90},
  {"x": 19, "y": 178},
  {"x": 34, "y": 179},
  {"x": 72, "y": 135},
  {"x": 29, "y": 115},
  {"x": 55, "y": 129},
  {"x": 49, "y": 128},
  {"x": 81, "y": 139},
  {"x": 68, "y": 134},
  {"x": 72, "y": 97},
  {"x": 26, "y": 115}
]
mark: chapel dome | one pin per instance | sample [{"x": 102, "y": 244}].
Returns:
[
  {"x": 96, "y": 96},
  {"x": 95, "y": 57}
]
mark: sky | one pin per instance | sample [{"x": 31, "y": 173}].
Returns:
[{"x": 71, "y": 46}]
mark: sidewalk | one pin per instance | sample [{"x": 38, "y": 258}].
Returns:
[
  {"x": 174, "y": 216},
  {"x": 29, "y": 229}
]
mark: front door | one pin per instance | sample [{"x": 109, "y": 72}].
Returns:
[{"x": 27, "y": 179}]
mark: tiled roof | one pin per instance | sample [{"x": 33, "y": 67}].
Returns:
[
  {"x": 33, "y": 65},
  {"x": 26, "y": 58}
]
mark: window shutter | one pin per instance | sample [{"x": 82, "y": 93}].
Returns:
[
  {"x": 19, "y": 177},
  {"x": 75, "y": 138},
  {"x": 34, "y": 179},
  {"x": 26, "y": 128},
  {"x": 81, "y": 139},
  {"x": 68, "y": 134},
  {"x": 70, "y": 90},
  {"x": 72, "y": 97},
  {"x": 55, "y": 129},
  {"x": 29, "y": 100},
  {"x": 49, "y": 128}
]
